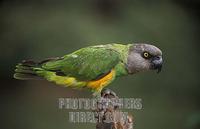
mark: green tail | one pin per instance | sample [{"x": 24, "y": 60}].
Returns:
[
  {"x": 31, "y": 70},
  {"x": 27, "y": 70}
]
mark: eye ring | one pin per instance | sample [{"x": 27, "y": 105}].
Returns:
[{"x": 146, "y": 55}]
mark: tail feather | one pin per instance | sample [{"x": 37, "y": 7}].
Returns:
[
  {"x": 21, "y": 70},
  {"x": 26, "y": 70},
  {"x": 33, "y": 70},
  {"x": 26, "y": 76}
]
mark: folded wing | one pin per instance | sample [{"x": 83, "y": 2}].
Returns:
[{"x": 85, "y": 64}]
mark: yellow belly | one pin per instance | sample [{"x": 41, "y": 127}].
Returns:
[
  {"x": 99, "y": 84},
  {"x": 95, "y": 85}
]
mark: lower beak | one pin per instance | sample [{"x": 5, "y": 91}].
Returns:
[
  {"x": 157, "y": 63},
  {"x": 159, "y": 69}
]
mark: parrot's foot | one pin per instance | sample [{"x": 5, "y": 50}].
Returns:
[
  {"x": 108, "y": 93},
  {"x": 105, "y": 93}
]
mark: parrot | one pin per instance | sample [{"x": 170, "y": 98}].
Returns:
[{"x": 93, "y": 67}]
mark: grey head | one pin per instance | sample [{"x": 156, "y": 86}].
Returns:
[{"x": 144, "y": 57}]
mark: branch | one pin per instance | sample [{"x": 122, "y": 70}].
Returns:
[{"x": 109, "y": 115}]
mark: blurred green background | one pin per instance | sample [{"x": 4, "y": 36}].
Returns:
[{"x": 38, "y": 29}]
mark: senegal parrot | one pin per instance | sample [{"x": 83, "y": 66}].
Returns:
[{"x": 93, "y": 67}]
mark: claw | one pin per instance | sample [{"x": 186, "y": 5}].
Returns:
[{"x": 108, "y": 93}]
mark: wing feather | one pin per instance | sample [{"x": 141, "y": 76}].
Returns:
[{"x": 85, "y": 64}]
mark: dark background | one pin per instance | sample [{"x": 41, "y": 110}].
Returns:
[{"x": 38, "y": 29}]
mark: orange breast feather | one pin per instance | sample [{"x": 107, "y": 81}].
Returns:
[{"x": 102, "y": 82}]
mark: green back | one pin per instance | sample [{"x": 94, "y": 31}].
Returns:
[{"x": 87, "y": 63}]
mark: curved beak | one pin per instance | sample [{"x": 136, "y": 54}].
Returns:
[{"x": 157, "y": 62}]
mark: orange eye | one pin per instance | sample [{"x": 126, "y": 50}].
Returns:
[{"x": 146, "y": 54}]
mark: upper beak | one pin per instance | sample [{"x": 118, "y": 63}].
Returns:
[{"x": 157, "y": 62}]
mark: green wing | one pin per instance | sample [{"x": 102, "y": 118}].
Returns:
[{"x": 85, "y": 64}]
